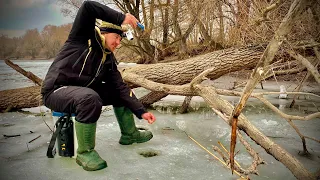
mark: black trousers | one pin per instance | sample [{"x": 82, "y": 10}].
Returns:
[{"x": 85, "y": 102}]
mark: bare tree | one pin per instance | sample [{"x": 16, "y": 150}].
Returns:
[{"x": 31, "y": 43}]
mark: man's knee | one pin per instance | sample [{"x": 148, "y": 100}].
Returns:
[
  {"x": 91, "y": 100},
  {"x": 88, "y": 108}
]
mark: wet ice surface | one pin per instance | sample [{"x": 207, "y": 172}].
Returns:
[
  {"x": 10, "y": 79},
  {"x": 178, "y": 157}
]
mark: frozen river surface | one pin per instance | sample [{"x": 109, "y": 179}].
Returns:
[{"x": 176, "y": 155}]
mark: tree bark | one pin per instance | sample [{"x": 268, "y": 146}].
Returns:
[
  {"x": 221, "y": 22},
  {"x": 15, "y": 99},
  {"x": 152, "y": 97},
  {"x": 242, "y": 16},
  {"x": 182, "y": 72}
]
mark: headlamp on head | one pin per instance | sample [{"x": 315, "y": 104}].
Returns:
[{"x": 112, "y": 28}]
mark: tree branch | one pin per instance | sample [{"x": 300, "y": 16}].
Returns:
[
  {"x": 27, "y": 74},
  {"x": 307, "y": 64},
  {"x": 296, "y": 9},
  {"x": 266, "y": 11}
]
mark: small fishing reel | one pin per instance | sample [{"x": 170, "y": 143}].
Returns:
[{"x": 129, "y": 34}]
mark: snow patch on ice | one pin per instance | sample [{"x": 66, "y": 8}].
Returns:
[
  {"x": 220, "y": 131},
  {"x": 269, "y": 122},
  {"x": 39, "y": 109},
  {"x": 181, "y": 125}
]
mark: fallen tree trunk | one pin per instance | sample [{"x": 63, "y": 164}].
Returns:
[
  {"x": 15, "y": 99},
  {"x": 182, "y": 72},
  {"x": 224, "y": 61}
]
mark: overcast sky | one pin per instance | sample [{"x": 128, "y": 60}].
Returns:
[{"x": 16, "y": 16}]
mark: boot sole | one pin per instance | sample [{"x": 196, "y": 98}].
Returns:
[
  {"x": 136, "y": 141},
  {"x": 101, "y": 166}
]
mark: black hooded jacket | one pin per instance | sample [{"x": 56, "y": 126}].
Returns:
[{"x": 83, "y": 61}]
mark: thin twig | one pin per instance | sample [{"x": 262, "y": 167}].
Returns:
[
  {"x": 212, "y": 154},
  {"x": 257, "y": 160},
  {"x": 301, "y": 136},
  {"x": 9, "y": 136},
  {"x": 286, "y": 116},
  {"x": 227, "y": 152},
  {"x": 43, "y": 117},
  {"x": 32, "y": 141}
]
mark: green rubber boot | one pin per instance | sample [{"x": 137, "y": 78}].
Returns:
[
  {"x": 87, "y": 157},
  {"x": 129, "y": 133}
]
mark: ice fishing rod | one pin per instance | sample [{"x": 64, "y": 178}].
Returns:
[{"x": 140, "y": 26}]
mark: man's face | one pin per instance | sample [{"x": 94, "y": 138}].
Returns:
[{"x": 112, "y": 41}]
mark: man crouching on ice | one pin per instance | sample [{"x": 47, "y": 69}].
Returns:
[{"x": 84, "y": 77}]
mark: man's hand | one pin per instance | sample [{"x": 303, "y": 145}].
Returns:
[
  {"x": 149, "y": 117},
  {"x": 130, "y": 19}
]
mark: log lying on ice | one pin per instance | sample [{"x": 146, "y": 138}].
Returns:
[
  {"x": 15, "y": 99},
  {"x": 181, "y": 72}
]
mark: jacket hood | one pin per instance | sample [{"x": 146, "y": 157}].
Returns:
[{"x": 100, "y": 39}]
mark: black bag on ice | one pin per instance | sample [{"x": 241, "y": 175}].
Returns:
[{"x": 64, "y": 136}]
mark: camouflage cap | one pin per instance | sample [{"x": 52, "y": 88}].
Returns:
[{"x": 109, "y": 27}]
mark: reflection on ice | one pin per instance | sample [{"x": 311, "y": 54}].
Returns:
[{"x": 172, "y": 105}]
